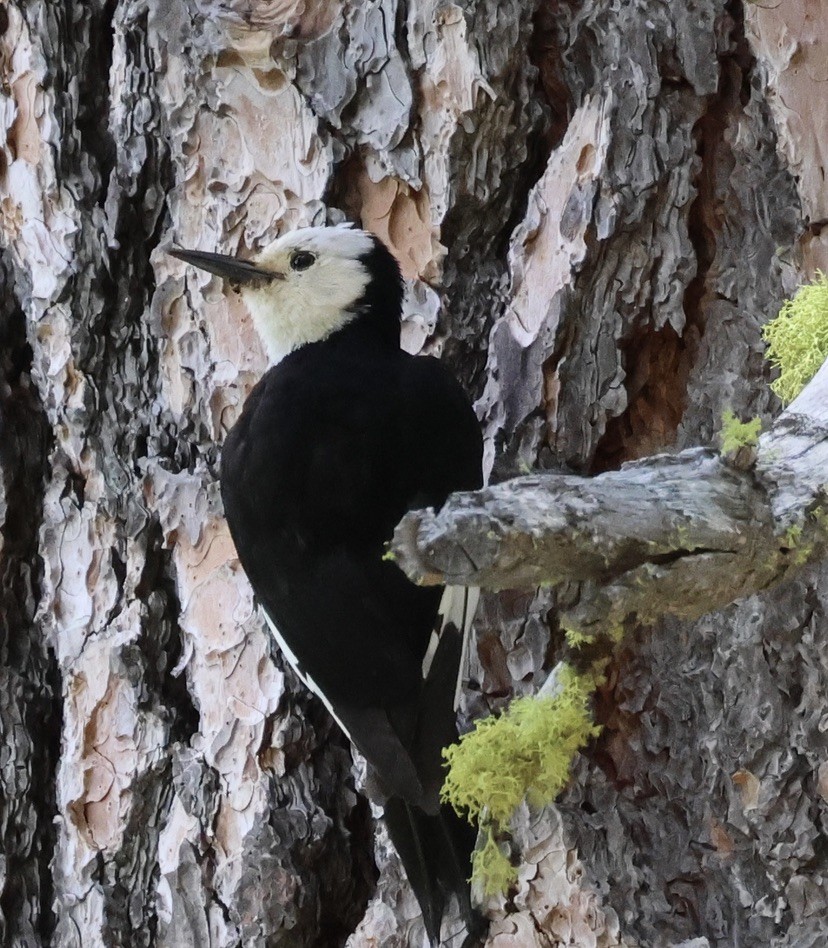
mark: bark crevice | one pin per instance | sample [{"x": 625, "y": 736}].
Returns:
[{"x": 30, "y": 720}]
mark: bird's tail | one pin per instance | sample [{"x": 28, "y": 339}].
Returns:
[
  {"x": 434, "y": 843},
  {"x": 436, "y": 852}
]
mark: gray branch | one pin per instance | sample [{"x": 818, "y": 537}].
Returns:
[{"x": 683, "y": 533}]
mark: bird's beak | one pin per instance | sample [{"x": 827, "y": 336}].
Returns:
[{"x": 230, "y": 268}]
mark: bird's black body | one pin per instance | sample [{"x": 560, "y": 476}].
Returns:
[{"x": 334, "y": 445}]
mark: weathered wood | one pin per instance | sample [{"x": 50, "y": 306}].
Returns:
[
  {"x": 792, "y": 463},
  {"x": 681, "y": 534},
  {"x": 547, "y": 528}
]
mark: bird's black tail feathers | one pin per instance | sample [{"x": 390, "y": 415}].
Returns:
[
  {"x": 436, "y": 853},
  {"x": 436, "y": 846}
]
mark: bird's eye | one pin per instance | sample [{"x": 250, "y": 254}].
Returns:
[{"x": 302, "y": 259}]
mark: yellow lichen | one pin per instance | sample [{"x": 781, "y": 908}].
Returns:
[
  {"x": 735, "y": 434},
  {"x": 491, "y": 867},
  {"x": 575, "y": 639},
  {"x": 792, "y": 536},
  {"x": 798, "y": 338},
  {"x": 820, "y": 517},
  {"x": 793, "y": 542},
  {"x": 524, "y": 753}
]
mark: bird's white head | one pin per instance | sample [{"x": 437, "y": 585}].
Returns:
[{"x": 307, "y": 284}]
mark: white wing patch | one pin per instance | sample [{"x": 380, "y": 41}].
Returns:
[
  {"x": 304, "y": 677},
  {"x": 457, "y": 608}
]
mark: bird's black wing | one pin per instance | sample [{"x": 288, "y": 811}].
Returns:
[{"x": 330, "y": 452}]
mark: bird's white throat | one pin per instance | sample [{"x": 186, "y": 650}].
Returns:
[{"x": 285, "y": 321}]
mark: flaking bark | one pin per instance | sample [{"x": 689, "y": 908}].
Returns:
[{"x": 597, "y": 206}]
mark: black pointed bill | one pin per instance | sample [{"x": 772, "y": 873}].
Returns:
[{"x": 230, "y": 268}]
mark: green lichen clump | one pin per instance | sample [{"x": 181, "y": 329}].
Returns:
[
  {"x": 525, "y": 752},
  {"x": 737, "y": 434},
  {"x": 803, "y": 542},
  {"x": 575, "y": 638},
  {"x": 792, "y": 541},
  {"x": 492, "y": 869},
  {"x": 820, "y": 517},
  {"x": 798, "y": 338}
]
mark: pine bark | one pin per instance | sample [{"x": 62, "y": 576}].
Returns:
[{"x": 597, "y": 206}]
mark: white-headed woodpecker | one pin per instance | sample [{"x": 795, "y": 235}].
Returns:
[{"x": 343, "y": 435}]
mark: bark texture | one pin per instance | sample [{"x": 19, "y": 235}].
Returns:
[{"x": 597, "y": 205}]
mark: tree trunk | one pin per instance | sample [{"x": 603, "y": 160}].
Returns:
[{"x": 597, "y": 206}]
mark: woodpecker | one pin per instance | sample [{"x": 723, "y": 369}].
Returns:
[{"x": 341, "y": 437}]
